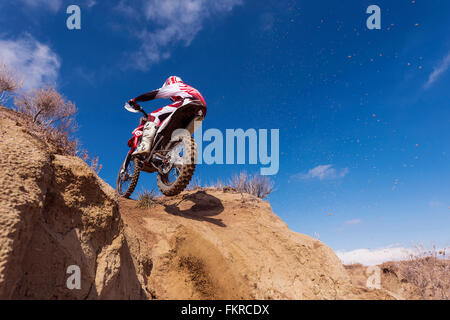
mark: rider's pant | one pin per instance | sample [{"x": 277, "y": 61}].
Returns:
[{"x": 162, "y": 113}]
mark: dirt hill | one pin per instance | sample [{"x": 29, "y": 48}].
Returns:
[
  {"x": 203, "y": 244},
  {"x": 422, "y": 278},
  {"x": 208, "y": 244}
]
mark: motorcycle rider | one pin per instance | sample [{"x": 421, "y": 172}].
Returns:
[{"x": 173, "y": 88}]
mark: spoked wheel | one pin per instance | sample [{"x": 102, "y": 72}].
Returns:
[
  {"x": 128, "y": 177},
  {"x": 180, "y": 167}
]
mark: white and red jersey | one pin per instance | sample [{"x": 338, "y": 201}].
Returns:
[
  {"x": 175, "y": 91},
  {"x": 178, "y": 92}
]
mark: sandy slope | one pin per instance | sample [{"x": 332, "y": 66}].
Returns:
[{"x": 209, "y": 244}]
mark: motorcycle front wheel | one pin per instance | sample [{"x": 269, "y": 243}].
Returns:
[{"x": 128, "y": 177}]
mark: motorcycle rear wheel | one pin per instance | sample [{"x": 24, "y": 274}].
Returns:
[{"x": 184, "y": 170}]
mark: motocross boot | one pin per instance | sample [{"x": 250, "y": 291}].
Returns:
[{"x": 148, "y": 135}]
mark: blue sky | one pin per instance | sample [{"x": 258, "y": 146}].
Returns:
[{"x": 363, "y": 114}]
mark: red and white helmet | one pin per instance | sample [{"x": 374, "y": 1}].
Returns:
[{"x": 172, "y": 80}]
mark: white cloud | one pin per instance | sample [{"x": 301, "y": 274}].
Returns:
[
  {"x": 323, "y": 172},
  {"x": 91, "y": 3},
  {"x": 125, "y": 9},
  {"x": 353, "y": 222},
  {"x": 52, "y": 5},
  {"x": 173, "y": 22},
  {"x": 440, "y": 69},
  {"x": 435, "y": 204},
  {"x": 33, "y": 61},
  {"x": 370, "y": 257}
]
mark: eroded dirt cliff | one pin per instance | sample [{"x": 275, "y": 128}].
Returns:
[{"x": 56, "y": 212}]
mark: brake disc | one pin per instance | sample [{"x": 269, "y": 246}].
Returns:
[{"x": 172, "y": 159}]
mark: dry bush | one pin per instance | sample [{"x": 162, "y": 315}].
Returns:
[
  {"x": 52, "y": 115},
  {"x": 94, "y": 163},
  {"x": 218, "y": 185},
  {"x": 239, "y": 181},
  {"x": 257, "y": 185},
  {"x": 429, "y": 271},
  {"x": 47, "y": 107},
  {"x": 147, "y": 199},
  {"x": 353, "y": 266},
  {"x": 8, "y": 81},
  {"x": 194, "y": 184}
]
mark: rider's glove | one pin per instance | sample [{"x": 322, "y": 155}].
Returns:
[{"x": 132, "y": 102}]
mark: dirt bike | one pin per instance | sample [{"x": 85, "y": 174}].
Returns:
[{"x": 172, "y": 154}]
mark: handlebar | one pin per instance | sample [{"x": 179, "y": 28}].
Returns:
[{"x": 140, "y": 109}]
